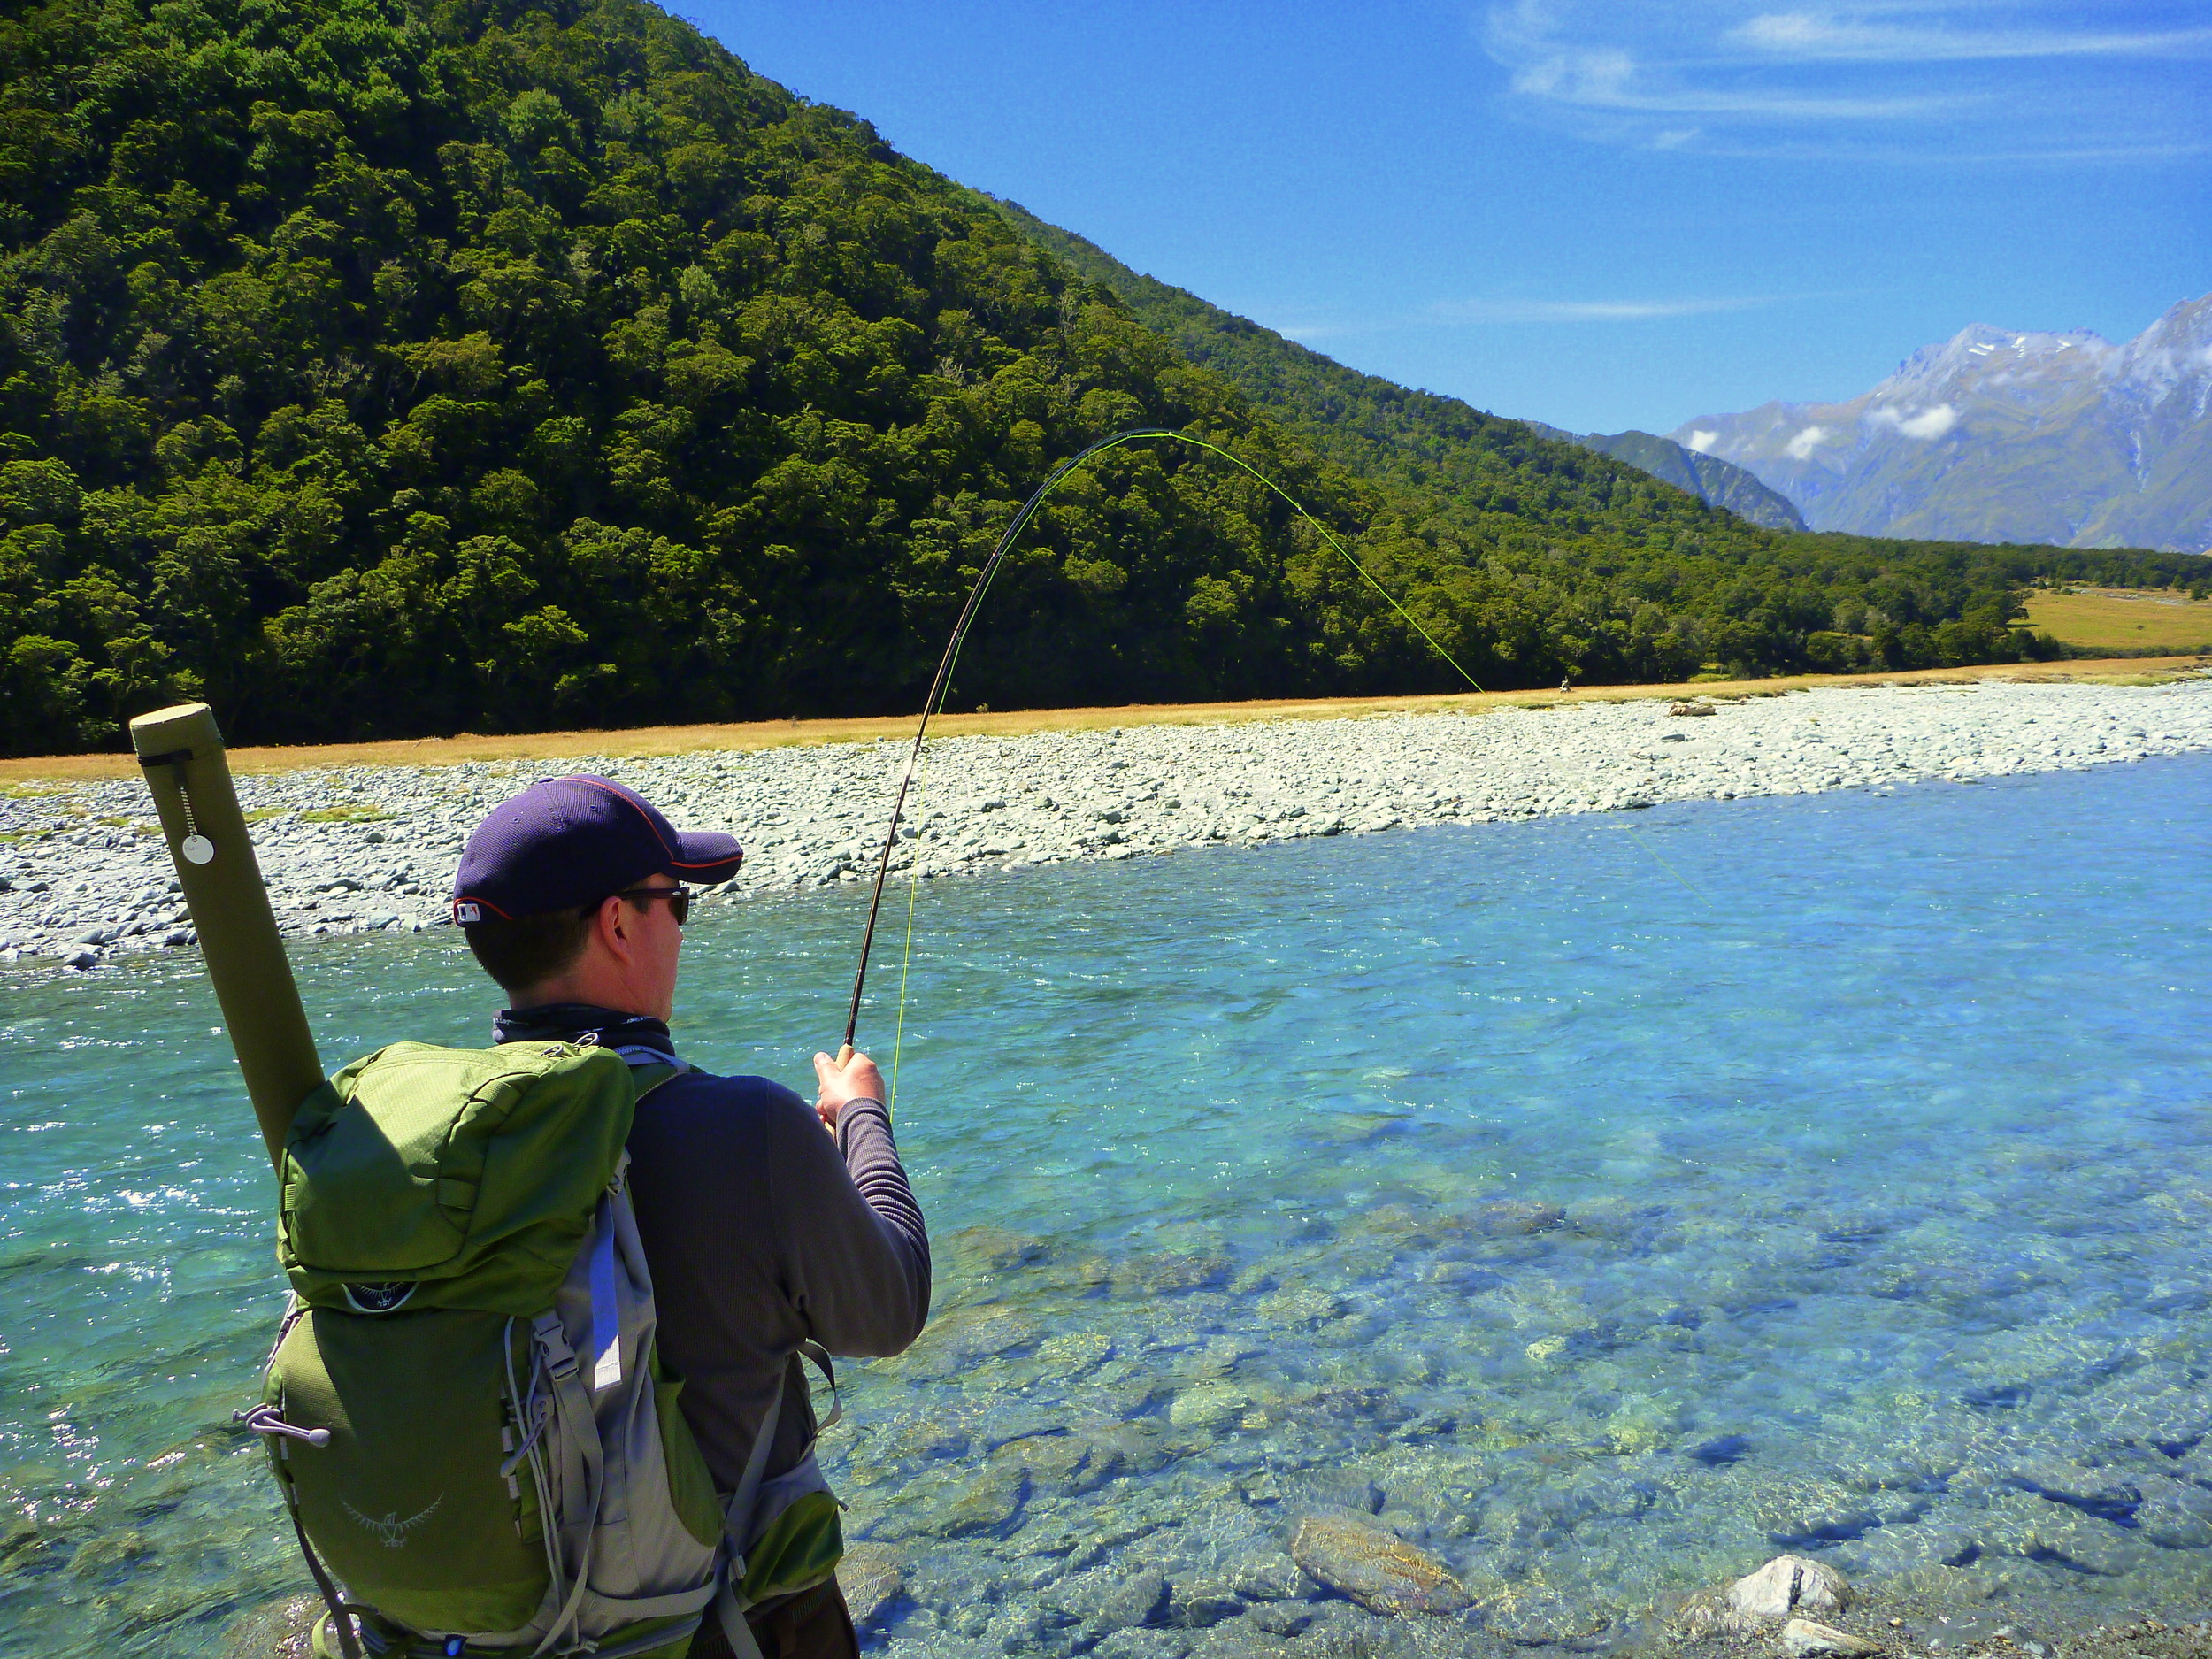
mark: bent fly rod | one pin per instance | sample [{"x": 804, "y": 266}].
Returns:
[{"x": 938, "y": 686}]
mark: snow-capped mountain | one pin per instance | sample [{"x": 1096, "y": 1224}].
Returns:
[
  {"x": 1711, "y": 479},
  {"x": 2002, "y": 436}
]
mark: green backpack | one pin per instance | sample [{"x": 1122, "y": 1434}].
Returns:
[{"x": 465, "y": 1408}]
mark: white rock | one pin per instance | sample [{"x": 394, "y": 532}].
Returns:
[{"x": 1787, "y": 1585}]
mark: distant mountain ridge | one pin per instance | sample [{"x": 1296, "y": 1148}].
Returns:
[
  {"x": 1715, "y": 482},
  {"x": 1999, "y": 435}
]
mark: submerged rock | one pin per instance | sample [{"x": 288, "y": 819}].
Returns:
[
  {"x": 2175, "y": 1514},
  {"x": 23, "y": 1546},
  {"x": 281, "y": 1629},
  {"x": 106, "y": 1550},
  {"x": 1105, "y": 1600},
  {"x": 988, "y": 1504},
  {"x": 1383, "y": 1573},
  {"x": 871, "y": 1576},
  {"x": 1143, "y": 1644},
  {"x": 1802, "y": 1638},
  {"x": 1518, "y": 1218},
  {"x": 1539, "y": 1615},
  {"x": 1210, "y": 1405}
]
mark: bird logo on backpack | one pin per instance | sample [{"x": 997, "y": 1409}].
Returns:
[{"x": 391, "y": 1532}]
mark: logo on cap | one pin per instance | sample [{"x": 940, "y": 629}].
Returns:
[{"x": 466, "y": 910}]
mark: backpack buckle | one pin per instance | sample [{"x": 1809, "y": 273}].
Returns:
[{"x": 560, "y": 1358}]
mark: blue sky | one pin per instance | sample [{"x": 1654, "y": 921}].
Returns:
[{"x": 1600, "y": 213}]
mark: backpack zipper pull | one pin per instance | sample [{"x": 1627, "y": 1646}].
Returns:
[{"x": 270, "y": 1420}]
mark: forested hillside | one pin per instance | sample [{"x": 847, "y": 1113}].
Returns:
[{"x": 379, "y": 367}]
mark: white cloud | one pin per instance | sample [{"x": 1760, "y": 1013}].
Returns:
[
  {"x": 1926, "y": 423},
  {"x": 1930, "y": 423},
  {"x": 1612, "y": 81},
  {"x": 1903, "y": 81},
  {"x": 1801, "y": 447},
  {"x": 1507, "y": 310},
  {"x": 1808, "y": 36},
  {"x": 1703, "y": 441}
]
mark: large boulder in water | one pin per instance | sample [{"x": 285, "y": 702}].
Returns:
[{"x": 1380, "y": 1572}]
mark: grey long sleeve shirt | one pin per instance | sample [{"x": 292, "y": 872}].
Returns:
[{"x": 762, "y": 1233}]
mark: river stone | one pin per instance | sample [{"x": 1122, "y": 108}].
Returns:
[
  {"x": 1279, "y": 1619},
  {"x": 1889, "y": 1550},
  {"x": 1172, "y": 1270},
  {"x": 1537, "y": 1615},
  {"x": 2175, "y": 1514},
  {"x": 23, "y": 1544},
  {"x": 961, "y": 1336},
  {"x": 1807, "y": 1509},
  {"x": 870, "y": 1576},
  {"x": 1078, "y": 1351},
  {"x": 281, "y": 1629},
  {"x": 1210, "y": 1405},
  {"x": 1265, "y": 1574},
  {"x": 1201, "y": 1600},
  {"x": 1082, "y": 1461},
  {"x": 105, "y": 1550},
  {"x": 1298, "y": 1307},
  {"x": 2087, "y": 1544},
  {"x": 1383, "y": 1573},
  {"x": 1514, "y": 1218},
  {"x": 1144, "y": 1644},
  {"x": 1787, "y": 1585},
  {"x": 1802, "y": 1638},
  {"x": 1105, "y": 1599},
  {"x": 989, "y": 1249}
]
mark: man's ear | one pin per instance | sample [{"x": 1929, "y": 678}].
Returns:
[{"x": 607, "y": 925}]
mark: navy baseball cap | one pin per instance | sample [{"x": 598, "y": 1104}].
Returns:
[{"x": 566, "y": 842}]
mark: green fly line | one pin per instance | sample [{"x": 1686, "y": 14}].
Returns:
[{"x": 935, "y": 703}]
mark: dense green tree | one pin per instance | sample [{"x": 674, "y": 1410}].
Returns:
[{"x": 393, "y": 366}]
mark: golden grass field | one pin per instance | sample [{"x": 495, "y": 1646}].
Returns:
[
  {"x": 678, "y": 740},
  {"x": 2119, "y": 618}
]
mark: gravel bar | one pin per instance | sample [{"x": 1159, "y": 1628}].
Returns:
[{"x": 84, "y": 874}]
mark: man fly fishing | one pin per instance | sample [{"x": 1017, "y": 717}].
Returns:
[
  {"x": 539, "y": 1390},
  {"x": 764, "y": 1234}
]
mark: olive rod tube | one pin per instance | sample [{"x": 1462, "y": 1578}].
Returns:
[{"x": 182, "y": 753}]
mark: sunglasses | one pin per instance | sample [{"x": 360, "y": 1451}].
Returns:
[{"x": 678, "y": 900}]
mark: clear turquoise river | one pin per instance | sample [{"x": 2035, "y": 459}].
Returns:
[{"x": 1604, "y": 1203}]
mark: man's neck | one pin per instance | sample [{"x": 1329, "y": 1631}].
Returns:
[
  {"x": 568, "y": 1022},
  {"x": 607, "y": 991}
]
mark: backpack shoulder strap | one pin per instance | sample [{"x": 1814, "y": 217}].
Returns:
[{"x": 649, "y": 1068}]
